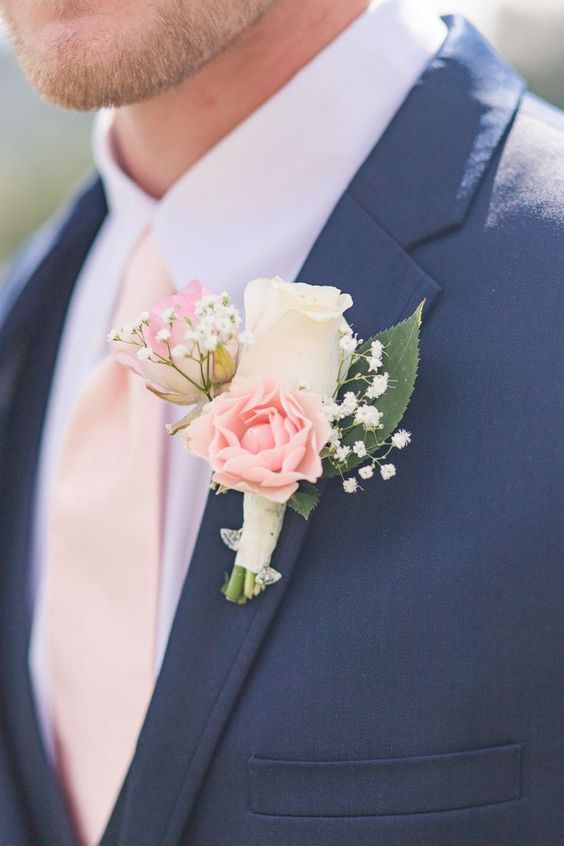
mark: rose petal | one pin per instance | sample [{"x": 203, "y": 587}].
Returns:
[{"x": 260, "y": 437}]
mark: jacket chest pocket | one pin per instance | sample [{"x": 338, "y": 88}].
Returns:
[{"x": 383, "y": 787}]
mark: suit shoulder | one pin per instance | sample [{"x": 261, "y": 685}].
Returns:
[
  {"x": 543, "y": 114},
  {"x": 25, "y": 261},
  {"x": 40, "y": 243},
  {"x": 528, "y": 181}
]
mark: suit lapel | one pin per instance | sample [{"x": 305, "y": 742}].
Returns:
[
  {"x": 422, "y": 177},
  {"x": 32, "y": 310},
  {"x": 362, "y": 249},
  {"x": 213, "y": 643}
]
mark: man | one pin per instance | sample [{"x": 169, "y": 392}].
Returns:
[{"x": 402, "y": 684}]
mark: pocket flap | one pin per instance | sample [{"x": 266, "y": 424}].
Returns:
[{"x": 385, "y": 786}]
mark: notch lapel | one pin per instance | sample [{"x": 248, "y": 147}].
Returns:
[
  {"x": 213, "y": 643},
  {"x": 363, "y": 250},
  {"x": 32, "y": 310},
  {"x": 424, "y": 173}
]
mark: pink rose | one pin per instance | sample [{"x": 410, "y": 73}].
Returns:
[
  {"x": 262, "y": 438},
  {"x": 183, "y": 305},
  {"x": 179, "y": 379},
  {"x": 176, "y": 333}
]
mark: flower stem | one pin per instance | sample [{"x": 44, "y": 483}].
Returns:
[
  {"x": 262, "y": 523},
  {"x": 234, "y": 589},
  {"x": 249, "y": 584}
]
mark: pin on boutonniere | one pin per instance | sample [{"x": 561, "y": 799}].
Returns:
[{"x": 293, "y": 398}]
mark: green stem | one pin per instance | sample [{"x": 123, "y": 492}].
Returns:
[
  {"x": 249, "y": 584},
  {"x": 202, "y": 367},
  {"x": 234, "y": 589},
  {"x": 170, "y": 363}
]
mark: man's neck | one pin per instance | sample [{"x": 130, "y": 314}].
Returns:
[{"x": 158, "y": 140}]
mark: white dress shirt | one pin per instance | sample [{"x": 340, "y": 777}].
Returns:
[{"x": 252, "y": 206}]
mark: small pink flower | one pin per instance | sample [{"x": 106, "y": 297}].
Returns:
[
  {"x": 182, "y": 305},
  {"x": 170, "y": 362},
  {"x": 261, "y": 438}
]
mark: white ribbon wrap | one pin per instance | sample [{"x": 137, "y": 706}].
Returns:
[{"x": 262, "y": 524}]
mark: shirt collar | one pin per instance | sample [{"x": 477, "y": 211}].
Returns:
[
  {"x": 125, "y": 198},
  {"x": 280, "y": 172}
]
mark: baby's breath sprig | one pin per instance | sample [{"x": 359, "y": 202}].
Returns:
[
  {"x": 198, "y": 350},
  {"x": 376, "y": 380}
]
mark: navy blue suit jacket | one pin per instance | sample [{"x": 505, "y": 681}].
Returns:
[{"x": 403, "y": 685}]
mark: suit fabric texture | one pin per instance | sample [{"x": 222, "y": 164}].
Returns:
[{"x": 402, "y": 685}]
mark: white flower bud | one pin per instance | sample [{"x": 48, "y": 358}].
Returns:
[
  {"x": 348, "y": 343},
  {"x": 401, "y": 439},
  {"x": 368, "y": 416},
  {"x": 378, "y": 386},
  {"x": 210, "y": 343},
  {"x": 359, "y": 448},
  {"x": 376, "y": 349},
  {"x": 349, "y": 404},
  {"x": 350, "y": 485},
  {"x": 168, "y": 315},
  {"x": 342, "y": 453}
]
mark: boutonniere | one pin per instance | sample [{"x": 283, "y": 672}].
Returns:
[{"x": 293, "y": 398}]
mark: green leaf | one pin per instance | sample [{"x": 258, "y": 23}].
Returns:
[
  {"x": 305, "y": 499},
  {"x": 400, "y": 361}
]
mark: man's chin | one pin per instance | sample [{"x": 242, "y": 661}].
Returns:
[
  {"x": 71, "y": 68},
  {"x": 99, "y": 53},
  {"x": 62, "y": 73}
]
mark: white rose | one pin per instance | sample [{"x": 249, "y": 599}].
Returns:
[{"x": 296, "y": 329}]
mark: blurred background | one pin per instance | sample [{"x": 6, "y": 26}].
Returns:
[{"x": 44, "y": 151}]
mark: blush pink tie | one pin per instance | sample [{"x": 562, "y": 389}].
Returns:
[{"x": 104, "y": 531}]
